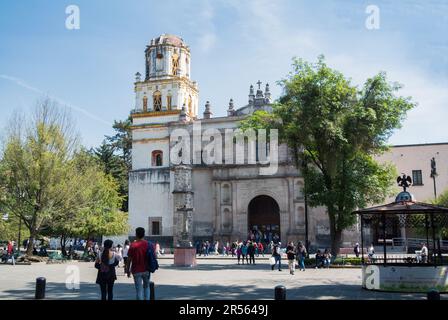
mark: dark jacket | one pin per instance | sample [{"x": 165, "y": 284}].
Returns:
[
  {"x": 290, "y": 252},
  {"x": 110, "y": 275}
]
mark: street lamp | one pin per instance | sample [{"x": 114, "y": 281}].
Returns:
[{"x": 304, "y": 167}]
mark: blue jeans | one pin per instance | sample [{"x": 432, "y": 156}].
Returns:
[
  {"x": 302, "y": 262},
  {"x": 141, "y": 281},
  {"x": 279, "y": 260}
]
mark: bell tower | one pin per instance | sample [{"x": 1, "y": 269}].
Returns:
[{"x": 167, "y": 87}]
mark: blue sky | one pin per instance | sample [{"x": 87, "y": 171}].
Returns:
[{"x": 233, "y": 43}]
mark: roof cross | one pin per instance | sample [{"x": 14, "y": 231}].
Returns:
[{"x": 259, "y": 84}]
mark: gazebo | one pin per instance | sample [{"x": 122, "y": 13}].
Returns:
[{"x": 414, "y": 262}]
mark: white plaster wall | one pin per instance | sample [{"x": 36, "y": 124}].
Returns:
[{"x": 150, "y": 196}]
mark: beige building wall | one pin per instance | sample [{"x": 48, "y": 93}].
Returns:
[{"x": 409, "y": 158}]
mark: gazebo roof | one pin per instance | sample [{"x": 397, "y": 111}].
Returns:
[{"x": 403, "y": 207}]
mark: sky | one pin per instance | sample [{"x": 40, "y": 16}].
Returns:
[{"x": 233, "y": 44}]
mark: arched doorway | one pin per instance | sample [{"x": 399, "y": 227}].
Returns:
[{"x": 264, "y": 219}]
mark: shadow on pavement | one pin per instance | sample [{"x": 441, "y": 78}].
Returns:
[{"x": 125, "y": 291}]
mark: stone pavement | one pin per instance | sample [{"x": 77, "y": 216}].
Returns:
[{"x": 211, "y": 279}]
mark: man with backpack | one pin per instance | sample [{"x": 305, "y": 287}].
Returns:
[{"x": 141, "y": 262}]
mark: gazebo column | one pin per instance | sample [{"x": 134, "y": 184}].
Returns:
[
  {"x": 433, "y": 228},
  {"x": 384, "y": 238},
  {"x": 362, "y": 239}
]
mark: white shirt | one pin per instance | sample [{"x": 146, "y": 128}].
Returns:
[{"x": 125, "y": 251}]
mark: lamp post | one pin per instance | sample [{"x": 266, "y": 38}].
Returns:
[{"x": 304, "y": 167}]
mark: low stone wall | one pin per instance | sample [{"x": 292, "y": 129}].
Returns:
[{"x": 405, "y": 278}]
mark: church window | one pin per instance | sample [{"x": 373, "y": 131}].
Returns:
[
  {"x": 299, "y": 190},
  {"x": 175, "y": 63},
  {"x": 225, "y": 194},
  {"x": 157, "y": 158},
  {"x": 145, "y": 103},
  {"x": 168, "y": 102},
  {"x": 157, "y": 101}
]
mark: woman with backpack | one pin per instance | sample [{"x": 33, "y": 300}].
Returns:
[{"x": 106, "y": 262}]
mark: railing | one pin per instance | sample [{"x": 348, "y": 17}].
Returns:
[{"x": 416, "y": 243}]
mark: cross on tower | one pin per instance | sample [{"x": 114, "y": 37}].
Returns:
[{"x": 259, "y": 84}]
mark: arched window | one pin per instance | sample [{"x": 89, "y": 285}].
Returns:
[
  {"x": 145, "y": 103},
  {"x": 157, "y": 158},
  {"x": 157, "y": 101}
]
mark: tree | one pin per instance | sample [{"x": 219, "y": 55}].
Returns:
[
  {"x": 94, "y": 206},
  {"x": 32, "y": 167},
  {"x": 114, "y": 165},
  {"x": 336, "y": 129},
  {"x": 51, "y": 184},
  {"x": 442, "y": 200},
  {"x": 122, "y": 140}
]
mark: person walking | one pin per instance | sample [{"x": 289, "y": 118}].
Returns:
[
  {"x": 239, "y": 252},
  {"x": 327, "y": 258},
  {"x": 125, "y": 254},
  {"x": 291, "y": 254},
  {"x": 277, "y": 256},
  {"x": 251, "y": 252},
  {"x": 106, "y": 262},
  {"x": 301, "y": 255},
  {"x": 10, "y": 253},
  {"x": 137, "y": 264},
  {"x": 244, "y": 253},
  {"x": 261, "y": 248}
]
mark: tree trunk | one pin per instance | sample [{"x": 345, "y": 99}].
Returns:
[
  {"x": 30, "y": 247},
  {"x": 63, "y": 242},
  {"x": 335, "y": 235},
  {"x": 336, "y": 238}
]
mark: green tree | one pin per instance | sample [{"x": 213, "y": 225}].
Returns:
[
  {"x": 93, "y": 207},
  {"x": 336, "y": 129},
  {"x": 442, "y": 200},
  {"x": 115, "y": 165},
  {"x": 32, "y": 167}
]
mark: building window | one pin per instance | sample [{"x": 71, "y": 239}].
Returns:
[
  {"x": 157, "y": 101},
  {"x": 417, "y": 177},
  {"x": 168, "y": 102},
  {"x": 155, "y": 226},
  {"x": 157, "y": 158},
  {"x": 145, "y": 103}
]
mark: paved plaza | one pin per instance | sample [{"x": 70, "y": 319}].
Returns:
[{"x": 211, "y": 279}]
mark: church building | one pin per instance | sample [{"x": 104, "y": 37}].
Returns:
[{"x": 222, "y": 202}]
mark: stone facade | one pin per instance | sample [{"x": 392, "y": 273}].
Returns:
[{"x": 182, "y": 204}]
